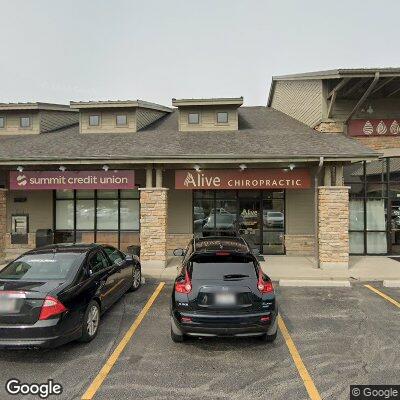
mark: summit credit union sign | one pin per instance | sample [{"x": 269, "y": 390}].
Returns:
[{"x": 247, "y": 179}]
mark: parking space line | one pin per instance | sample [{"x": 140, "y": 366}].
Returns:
[
  {"x": 102, "y": 375},
  {"x": 301, "y": 368},
  {"x": 385, "y": 296}
]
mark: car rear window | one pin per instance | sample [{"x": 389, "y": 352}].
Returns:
[
  {"x": 45, "y": 266},
  {"x": 222, "y": 267}
]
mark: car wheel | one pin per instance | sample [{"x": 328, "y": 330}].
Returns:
[
  {"x": 176, "y": 334},
  {"x": 137, "y": 279},
  {"x": 269, "y": 338},
  {"x": 91, "y": 322}
]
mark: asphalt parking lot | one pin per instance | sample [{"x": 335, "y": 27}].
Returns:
[{"x": 343, "y": 335}]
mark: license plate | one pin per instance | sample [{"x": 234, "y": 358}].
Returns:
[
  {"x": 8, "y": 305},
  {"x": 225, "y": 299}
]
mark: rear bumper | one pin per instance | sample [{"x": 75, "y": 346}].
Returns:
[
  {"x": 229, "y": 325},
  {"x": 43, "y": 334}
]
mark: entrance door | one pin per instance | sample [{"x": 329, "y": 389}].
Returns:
[
  {"x": 273, "y": 220},
  {"x": 249, "y": 222}
]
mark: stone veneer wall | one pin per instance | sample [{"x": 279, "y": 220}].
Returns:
[
  {"x": 177, "y": 240},
  {"x": 379, "y": 142},
  {"x": 299, "y": 245},
  {"x": 3, "y": 221},
  {"x": 333, "y": 227},
  {"x": 153, "y": 226}
]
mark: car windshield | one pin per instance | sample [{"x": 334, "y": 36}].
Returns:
[
  {"x": 222, "y": 267},
  {"x": 44, "y": 266}
]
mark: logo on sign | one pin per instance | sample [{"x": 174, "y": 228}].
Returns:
[
  {"x": 201, "y": 180},
  {"x": 21, "y": 180}
]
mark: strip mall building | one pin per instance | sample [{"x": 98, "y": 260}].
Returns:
[{"x": 312, "y": 173}]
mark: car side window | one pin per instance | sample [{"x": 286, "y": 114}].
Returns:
[
  {"x": 97, "y": 262},
  {"x": 114, "y": 255}
]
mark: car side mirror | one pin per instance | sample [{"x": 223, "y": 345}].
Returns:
[
  {"x": 179, "y": 252},
  {"x": 119, "y": 262}
]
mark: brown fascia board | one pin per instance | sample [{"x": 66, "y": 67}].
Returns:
[
  {"x": 35, "y": 106},
  {"x": 222, "y": 101},
  {"x": 118, "y": 104}
]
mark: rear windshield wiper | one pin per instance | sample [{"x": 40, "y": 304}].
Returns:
[{"x": 235, "y": 276}]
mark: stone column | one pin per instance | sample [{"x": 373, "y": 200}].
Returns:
[
  {"x": 333, "y": 227},
  {"x": 3, "y": 221},
  {"x": 153, "y": 227}
]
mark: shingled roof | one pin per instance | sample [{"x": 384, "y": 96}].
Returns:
[{"x": 264, "y": 134}]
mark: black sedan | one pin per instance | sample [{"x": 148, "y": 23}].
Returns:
[
  {"x": 222, "y": 291},
  {"x": 56, "y": 294}
]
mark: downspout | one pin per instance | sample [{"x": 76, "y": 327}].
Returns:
[{"x": 316, "y": 230}]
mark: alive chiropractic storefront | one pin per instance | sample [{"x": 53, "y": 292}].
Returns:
[{"x": 249, "y": 203}]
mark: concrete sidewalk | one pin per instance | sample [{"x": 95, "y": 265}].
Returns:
[{"x": 362, "y": 268}]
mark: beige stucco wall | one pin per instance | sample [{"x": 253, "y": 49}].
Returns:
[
  {"x": 300, "y": 212},
  {"x": 208, "y": 119},
  {"x": 108, "y": 122},
  {"x": 12, "y": 122},
  {"x": 39, "y": 207}
]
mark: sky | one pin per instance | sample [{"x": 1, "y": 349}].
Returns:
[{"x": 57, "y": 51}]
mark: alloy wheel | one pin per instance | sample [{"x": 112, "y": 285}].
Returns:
[{"x": 92, "y": 322}]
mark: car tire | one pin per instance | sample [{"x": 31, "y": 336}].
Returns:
[
  {"x": 176, "y": 334},
  {"x": 137, "y": 279},
  {"x": 91, "y": 322},
  {"x": 269, "y": 338}
]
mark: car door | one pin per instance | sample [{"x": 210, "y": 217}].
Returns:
[
  {"x": 101, "y": 269},
  {"x": 123, "y": 269}
]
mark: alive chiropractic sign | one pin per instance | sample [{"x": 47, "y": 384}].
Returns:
[
  {"x": 51, "y": 180},
  {"x": 247, "y": 179}
]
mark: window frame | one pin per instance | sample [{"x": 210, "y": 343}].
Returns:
[
  {"x": 94, "y": 115},
  {"x": 198, "y": 118},
  {"x": 227, "y": 117},
  {"x": 29, "y": 126},
  {"x": 121, "y": 115}
]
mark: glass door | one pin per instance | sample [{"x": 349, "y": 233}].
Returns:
[
  {"x": 394, "y": 227},
  {"x": 273, "y": 220},
  {"x": 249, "y": 221}
]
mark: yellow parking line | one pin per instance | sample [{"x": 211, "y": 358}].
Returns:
[
  {"x": 301, "y": 368},
  {"x": 102, "y": 375},
  {"x": 385, "y": 296}
]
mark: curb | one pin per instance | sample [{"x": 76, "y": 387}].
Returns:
[{"x": 313, "y": 283}]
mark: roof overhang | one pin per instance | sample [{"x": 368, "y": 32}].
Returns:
[
  {"x": 118, "y": 104},
  {"x": 35, "y": 107},
  {"x": 226, "y": 101}
]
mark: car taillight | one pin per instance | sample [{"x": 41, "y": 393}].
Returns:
[
  {"x": 185, "y": 286},
  {"x": 264, "y": 286},
  {"x": 222, "y": 253},
  {"x": 51, "y": 307}
]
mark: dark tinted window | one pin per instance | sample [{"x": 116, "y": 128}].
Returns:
[
  {"x": 47, "y": 266},
  {"x": 113, "y": 254},
  {"x": 220, "y": 267},
  {"x": 97, "y": 262}
]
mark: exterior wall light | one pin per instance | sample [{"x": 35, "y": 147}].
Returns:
[
  {"x": 291, "y": 167},
  {"x": 242, "y": 167},
  {"x": 106, "y": 167},
  {"x": 370, "y": 110},
  {"x": 62, "y": 168},
  {"x": 197, "y": 168},
  {"x": 20, "y": 168}
]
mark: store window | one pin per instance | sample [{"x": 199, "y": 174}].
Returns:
[
  {"x": 368, "y": 207},
  {"x": 2, "y": 122},
  {"x": 102, "y": 216}
]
